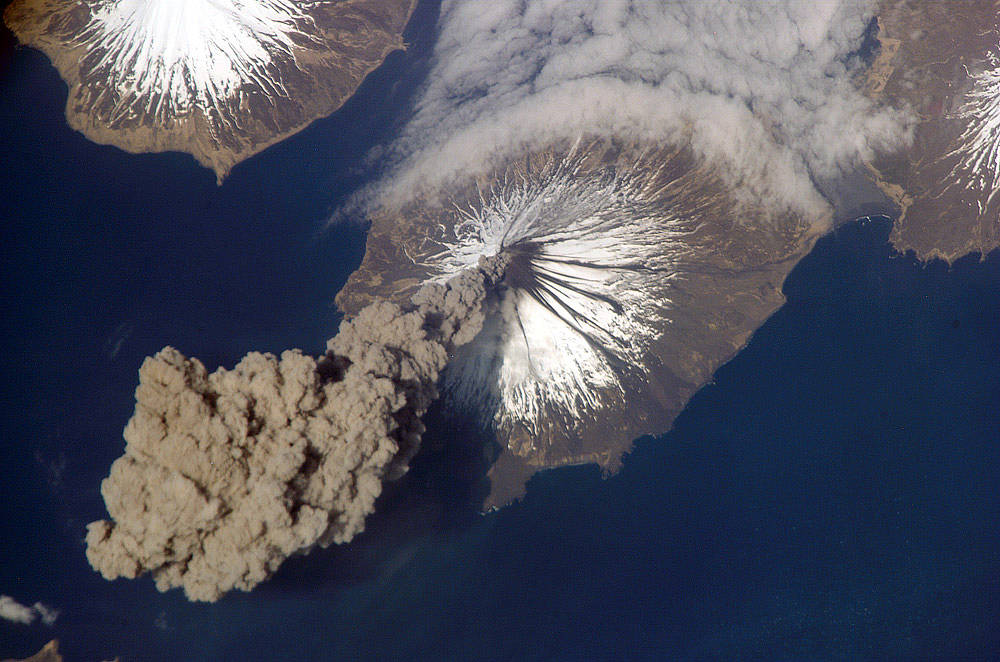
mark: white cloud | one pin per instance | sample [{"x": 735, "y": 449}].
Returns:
[
  {"x": 762, "y": 88},
  {"x": 46, "y": 613},
  {"x": 14, "y": 611}
]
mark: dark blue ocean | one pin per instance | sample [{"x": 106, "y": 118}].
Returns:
[{"x": 832, "y": 495}]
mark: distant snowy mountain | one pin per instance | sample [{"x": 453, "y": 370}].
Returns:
[{"x": 220, "y": 79}]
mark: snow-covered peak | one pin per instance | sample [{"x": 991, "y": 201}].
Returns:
[
  {"x": 591, "y": 257},
  {"x": 220, "y": 79},
  {"x": 167, "y": 55}
]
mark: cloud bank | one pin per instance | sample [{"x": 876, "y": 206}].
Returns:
[
  {"x": 763, "y": 88},
  {"x": 13, "y": 611}
]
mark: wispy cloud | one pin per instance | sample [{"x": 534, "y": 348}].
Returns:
[
  {"x": 14, "y": 611},
  {"x": 763, "y": 89}
]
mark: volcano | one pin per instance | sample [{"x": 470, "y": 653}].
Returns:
[
  {"x": 219, "y": 79},
  {"x": 634, "y": 271},
  {"x": 947, "y": 185}
]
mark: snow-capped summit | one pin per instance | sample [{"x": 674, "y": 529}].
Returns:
[
  {"x": 178, "y": 53},
  {"x": 220, "y": 79}
]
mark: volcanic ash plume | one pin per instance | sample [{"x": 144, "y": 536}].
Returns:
[{"x": 225, "y": 475}]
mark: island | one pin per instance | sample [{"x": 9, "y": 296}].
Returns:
[
  {"x": 634, "y": 272},
  {"x": 569, "y": 293},
  {"x": 219, "y": 79},
  {"x": 49, "y": 653},
  {"x": 603, "y": 330}
]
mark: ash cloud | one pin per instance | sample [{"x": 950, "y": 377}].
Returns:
[
  {"x": 227, "y": 474},
  {"x": 763, "y": 89},
  {"x": 15, "y": 612}
]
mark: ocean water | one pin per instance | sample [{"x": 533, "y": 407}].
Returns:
[{"x": 831, "y": 495}]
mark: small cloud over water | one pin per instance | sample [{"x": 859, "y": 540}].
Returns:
[{"x": 15, "y": 612}]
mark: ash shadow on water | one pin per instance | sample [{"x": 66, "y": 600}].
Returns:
[
  {"x": 829, "y": 496},
  {"x": 442, "y": 493},
  {"x": 447, "y": 484}
]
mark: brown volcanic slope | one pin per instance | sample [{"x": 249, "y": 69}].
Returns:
[
  {"x": 218, "y": 80},
  {"x": 936, "y": 58},
  {"x": 715, "y": 278},
  {"x": 49, "y": 653}
]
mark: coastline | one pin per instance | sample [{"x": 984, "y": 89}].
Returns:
[{"x": 335, "y": 77}]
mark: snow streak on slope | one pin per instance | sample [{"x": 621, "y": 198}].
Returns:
[
  {"x": 589, "y": 259},
  {"x": 978, "y": 168},
  {"x": 163, "y": 56}
]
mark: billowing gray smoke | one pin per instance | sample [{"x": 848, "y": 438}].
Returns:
[{"x": 225, "y": 475}]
